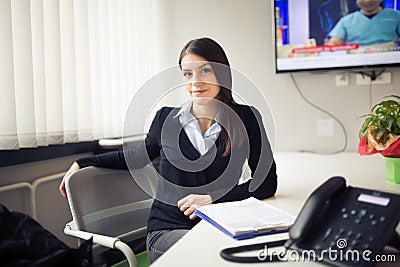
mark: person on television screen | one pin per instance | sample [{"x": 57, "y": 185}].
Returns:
[
  {"x": 201, "y": 146},
  {"x": 370, "y": 25},
  {"x": 331, "y": 11}
]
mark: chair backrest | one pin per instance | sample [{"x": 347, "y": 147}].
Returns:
[
  {"x": 110, "y": 202},
  {"x": 17, "y": 197}
]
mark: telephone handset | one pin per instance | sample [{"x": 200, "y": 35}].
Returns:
[
  {"x": 309, "y": 213},
  {"x": 339, "y": 225}
]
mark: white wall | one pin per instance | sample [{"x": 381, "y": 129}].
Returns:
[{"x": 244, "y": 29}]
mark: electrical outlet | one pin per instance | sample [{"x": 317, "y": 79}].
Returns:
[
  {"x": 325, "y": 127},
  {"x": 384, "y": 78},
  {"x": 342, "y": 79}
]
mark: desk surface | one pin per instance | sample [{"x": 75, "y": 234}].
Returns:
[{"x": 298, "y": 175}]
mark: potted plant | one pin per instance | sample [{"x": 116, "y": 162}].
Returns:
[{"x": 380, "y": 133}]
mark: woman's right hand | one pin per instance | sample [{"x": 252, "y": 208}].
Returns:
[{"x": 74, "y": 167}]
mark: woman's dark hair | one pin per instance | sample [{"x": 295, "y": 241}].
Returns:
[{"x": 215, "y": 54}]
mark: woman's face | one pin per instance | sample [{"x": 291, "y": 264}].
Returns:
[
  {"x": 369, "y": 6},
  {"x": 199, "y": 77}
]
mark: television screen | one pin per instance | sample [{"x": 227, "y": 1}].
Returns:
[{"x": 336, "y": 34}]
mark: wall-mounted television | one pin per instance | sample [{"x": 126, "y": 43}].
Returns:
[{"x": 304, "y": 30}]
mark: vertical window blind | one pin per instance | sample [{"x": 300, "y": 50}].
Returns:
[{"x": 69, "y": 68}]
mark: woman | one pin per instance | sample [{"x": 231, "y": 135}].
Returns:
[{"x": 202, "y": 147}]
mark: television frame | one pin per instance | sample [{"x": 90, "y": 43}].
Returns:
[{"x": 341, "y": 63}]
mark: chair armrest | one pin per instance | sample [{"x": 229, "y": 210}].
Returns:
[
  {"x": 107, "y": 241},
  {"x": 103, "y": 240}
]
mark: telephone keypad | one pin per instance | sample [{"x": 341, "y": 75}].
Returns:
[
  {"x": 358, "y": 216},
  {"x": 355, "y": 240}
]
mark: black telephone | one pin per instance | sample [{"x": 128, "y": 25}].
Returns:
[{"x": 338, "y": 225}]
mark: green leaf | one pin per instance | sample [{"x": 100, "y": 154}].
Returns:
[
  {"x": 367, "y": 115},
  {"x": 392, "y": 96},
  {"x": 379, "y": 133},
  {"x": 389, "y": 123}
]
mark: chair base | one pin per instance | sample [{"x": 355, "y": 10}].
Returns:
[{"x": 142, "y": 259}]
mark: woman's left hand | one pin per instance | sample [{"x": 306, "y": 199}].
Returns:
[{"x": 189, "y": 203}]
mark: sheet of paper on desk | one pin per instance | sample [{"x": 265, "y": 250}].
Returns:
[{"x": 246, "y": 218}]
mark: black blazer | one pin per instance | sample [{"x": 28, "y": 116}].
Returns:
[{"x": 183, "y": 171}]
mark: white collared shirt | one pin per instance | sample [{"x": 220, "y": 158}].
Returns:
[{"x": 202, "y": 142}]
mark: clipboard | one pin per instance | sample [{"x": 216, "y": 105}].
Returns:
[{"x": 246, "y": 218}]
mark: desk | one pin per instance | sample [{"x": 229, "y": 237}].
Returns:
[{"x": 298, "y": 175}]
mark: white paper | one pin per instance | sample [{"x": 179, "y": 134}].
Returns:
[{"x": 246, "y": 216}]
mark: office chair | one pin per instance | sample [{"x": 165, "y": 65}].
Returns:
[{"x": 108, "y": 205}]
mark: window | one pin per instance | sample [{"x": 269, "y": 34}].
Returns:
[{"x": 69, "y": 68}]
